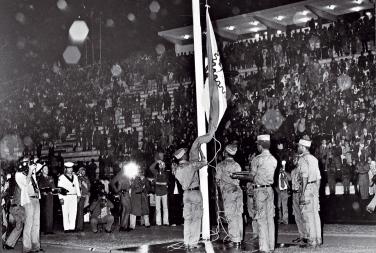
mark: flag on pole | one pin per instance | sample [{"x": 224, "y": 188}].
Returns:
[{"x": 216, "y": 78}]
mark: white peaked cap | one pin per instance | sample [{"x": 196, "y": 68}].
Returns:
[
  {"x": 263, "y": 137},
  {"x": 305, "y": 143},
  {"x": 68, "y": 164},
  {"x": 180, "y": 152},
  {"x": 231, "y": 149}
]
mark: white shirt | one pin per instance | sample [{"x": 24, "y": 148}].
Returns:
[
  {"x": 26, "y": 186},
  {"x": 72, "y": 186}
]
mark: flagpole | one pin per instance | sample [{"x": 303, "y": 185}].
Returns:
[{"x": 201, "y": 128}]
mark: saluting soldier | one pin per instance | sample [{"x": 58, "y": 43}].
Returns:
[
  {"x": 263, "y": 167},
  {"x": 308, "y": 166},
  {"x": 69, "y": 181},
  {"x": 187, "y": 175},
  {"x": 232, "y": 195}
]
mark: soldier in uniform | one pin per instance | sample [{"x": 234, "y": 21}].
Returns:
[
  {"x": 296, "y": 185},
  {"x": 187, "y": 175},
  {"x": 308, "y": 166},
  {"x": 251, "y": 207},
  {"x": 263, "y": 167},
  {"x": 69, "y": 181},
  {"x": 232, "y": 195},
  {"x": 121, "y": 185}
]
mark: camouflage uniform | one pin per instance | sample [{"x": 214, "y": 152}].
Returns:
[
  {"x": 309, "y": 168},
  {"x": 263, "y": 167},
  {"x": 296, "y": 180},
  {"x": 187, "y": 175},
  {"x": 232, "y": 196},
  {"x": 252, "y": 208}
]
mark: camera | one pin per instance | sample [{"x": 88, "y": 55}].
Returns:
[{"x": 23, "y": 167}]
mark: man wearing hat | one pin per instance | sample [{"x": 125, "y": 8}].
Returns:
[
  {"x": 69, "y": 181},
  {"x": 187, "y": 175},
  {"x": 232, "y": 195},
  {"x": 308, "y": 166},
  {"x": 263, "y": 167}
]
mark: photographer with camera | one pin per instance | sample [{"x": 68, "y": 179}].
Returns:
[
  {"x": 29, "y": 200},
  {"x": 101, "y": 213}
]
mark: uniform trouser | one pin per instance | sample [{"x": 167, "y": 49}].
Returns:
[
  {"x": 332, "y": 184},
  {"x": 192, "y": 213},
  {"x": 233, "y": 207},
  {"x": 252, "y": 214},
  {"x": 175, "y": 204},
  {"x": 299, "y": 216},
  {"x": 371, "y": 206},
  {"x": 283, "y": 197},
  {"x": 47, "y": 213},
  {"x": 108, "y": 220},
  {"x": 18, "y": 214},
  {"x": 4, "y": 223},
  {"x": 311, "y": 214},
  {"x": 30, "y": 236},
  {"x": 80, "y": 213},
  {"x": 125, "y": 201},
  {"x": 133, "y": 221},
  {"x": 161, "y": 202},
  {"x": 346, "y": 184},
  {"x": 265, "y": 212},
  {"x": 69, "y": 209}
]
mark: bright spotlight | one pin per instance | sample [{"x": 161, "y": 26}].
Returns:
[{"x": 131, "y": 169}]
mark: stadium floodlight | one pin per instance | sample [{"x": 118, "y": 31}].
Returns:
[
  {"x": 254, "y": 22},
  {"x": 186, "y": 36},
  {"x": 331, "y": 7},
  {"x": 78, "y": 31},
  {"x": 230, "y": 28},
  {"x": 305, "y": 12},
  {"x": 303, "y": 20},
  {"x": 356, "y": 8},
  {"x": 71, "y": 55},
  {"x": 279, "y": 18},
  {"x": 358, "y": 1}
]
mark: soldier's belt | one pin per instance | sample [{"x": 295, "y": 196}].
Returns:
[
  {"x": 261, "y": 186},
  {"x": 312, "y": 182},
  {"x": 193, "y": 189}
]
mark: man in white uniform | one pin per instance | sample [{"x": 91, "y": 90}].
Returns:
[{"x": 69, "y": 181}]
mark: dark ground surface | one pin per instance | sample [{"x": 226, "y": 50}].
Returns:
[{"x": 337, "y": 238}]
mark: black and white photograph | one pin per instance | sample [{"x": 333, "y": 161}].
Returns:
[{"x": 176, "y": 126}]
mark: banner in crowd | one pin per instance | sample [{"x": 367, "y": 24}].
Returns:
[{"x": 216, "y": 79}]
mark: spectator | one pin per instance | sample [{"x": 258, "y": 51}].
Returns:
[
  {"x": 139, "y": 201},
  {"x": 46, "y": 184},
  {"x": 85, "y": 186}
]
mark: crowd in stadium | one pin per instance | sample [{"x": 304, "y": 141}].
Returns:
[{"x": 332, "y": 101}]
